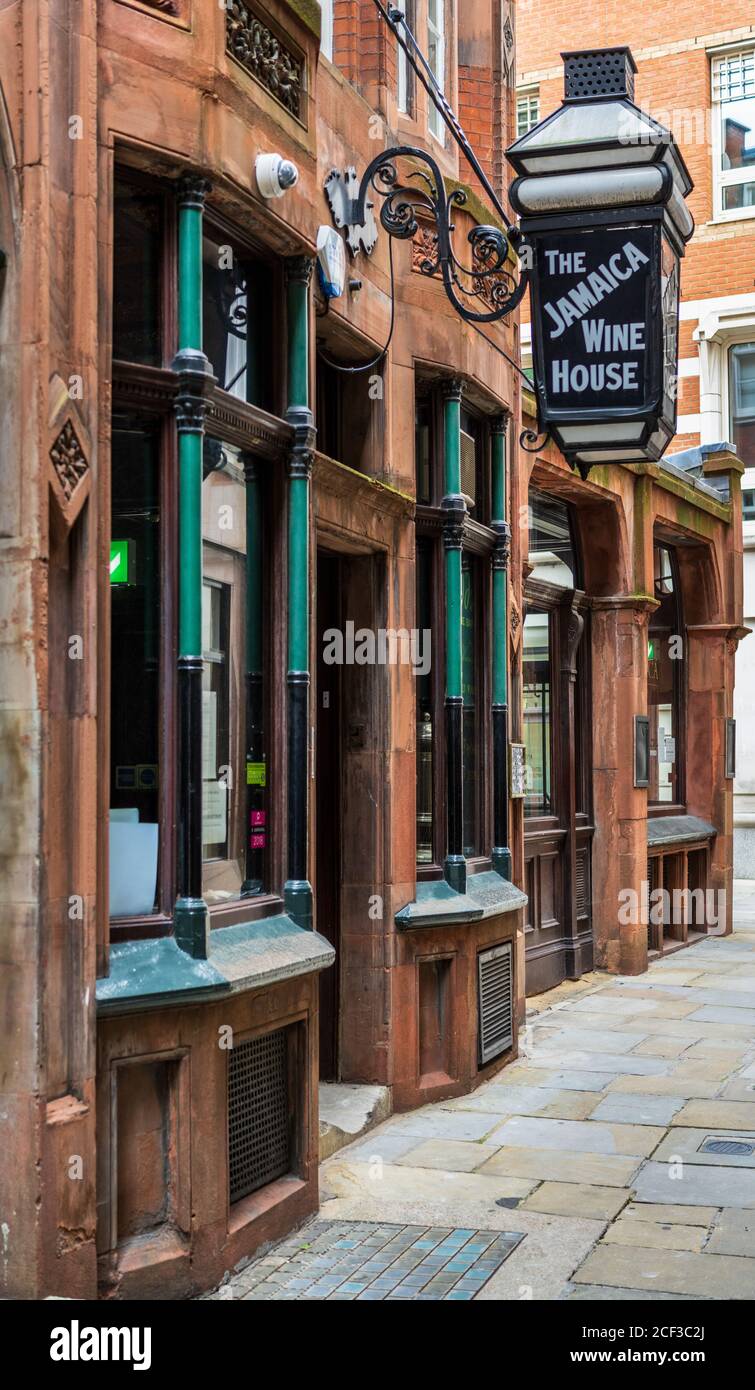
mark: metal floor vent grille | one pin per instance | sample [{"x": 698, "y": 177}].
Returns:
[
  {"x": 727, "y": 1146},
  {"x": 495, "y": 1002},
  {"x": 259, "y": 1125}
]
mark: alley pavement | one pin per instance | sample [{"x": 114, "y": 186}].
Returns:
[{"x": 615, "y": 1159}]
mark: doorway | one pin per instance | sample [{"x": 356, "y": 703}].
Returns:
[{"x": 328, "y": 805}]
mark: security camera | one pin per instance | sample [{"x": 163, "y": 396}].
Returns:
[{"x": 275, "y": 175}]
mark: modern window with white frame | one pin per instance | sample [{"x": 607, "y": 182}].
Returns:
[
  {"x": 742, "y": 401},
  {"x": 436, "y": 57},
  {"x": 326, "y": 28},
  {"x": 527, "y": 109},
  {"x": 733, "y": 132}
]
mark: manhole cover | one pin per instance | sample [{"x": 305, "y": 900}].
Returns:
[
  {"x": 375, "y": 1261},
  {"x": 727, "y": 1146}
]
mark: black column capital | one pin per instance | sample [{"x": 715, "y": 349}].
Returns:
[
  {"x": 192, "y": 190},
  {"x": 298, "y": 269},
  {"x": 499, "y": 423},
  {"x": 452, "y": 388}
]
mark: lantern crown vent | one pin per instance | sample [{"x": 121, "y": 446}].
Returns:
[{"x": 599, "y": 72}]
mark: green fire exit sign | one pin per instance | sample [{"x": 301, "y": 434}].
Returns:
[{"x": 121, "y": 562}]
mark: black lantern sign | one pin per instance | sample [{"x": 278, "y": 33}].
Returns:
[{"x": 601, "y": 192}]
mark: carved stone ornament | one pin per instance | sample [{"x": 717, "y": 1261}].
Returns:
[
  {"x": 68, "y": 460},
  {"x": 340, "y": 190},
  {"x": 254, "y": 45},
  {"x": 69, "y": 473}
]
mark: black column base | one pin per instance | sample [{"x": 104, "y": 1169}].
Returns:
[
  {"x": 297, "y": 897},
  {"x": 455, "y": 872},
  {"x": 192, "y": 927},
  {"x": 502, "y": 862}
]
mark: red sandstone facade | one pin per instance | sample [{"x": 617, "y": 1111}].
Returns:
[{"x": 117, "y": 1172}]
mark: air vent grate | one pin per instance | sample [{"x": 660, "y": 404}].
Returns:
[
  {"x": 583, "y": 884},
  {"x": 259, "y": 1123},
  {"x": 743, "y": 1147},
  {"x": 468, "y": 466},
  {"x": 601, "y": 72},
  {"x": 496, "y": 1019}
]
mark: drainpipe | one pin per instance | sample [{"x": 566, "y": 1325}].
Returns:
[
  {"x": 194, "y": 383},
  {"x": 501, "y": 856},
  {"x": 297, "y": 891},
  {"x": 454, "y": 515}
]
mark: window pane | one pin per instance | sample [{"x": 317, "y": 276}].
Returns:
[
  {"x": 738, "y": 134},
  {"x": 665, "y": 652},
  {"x": 234, "y": 763},
  {"x": 738, "y": 195},
  {"x": 470, "y": 695},
  {"x": 137, "y": 244},
  {"x": 425, "y": 713},
  {"x": 135, "y": 608},
  {"x": 536, "y": 676},
  {"x": 326, "y": 28},
  {"x": 551, "y": 551},
  {"x": 436, "y": 59},
  {"x": 238, "y": 321},
  {"x": 742, "y": 360},
  {"x": 422, "y": 447}
]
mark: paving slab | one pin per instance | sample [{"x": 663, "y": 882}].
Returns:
[
  {"x": 711, "y": 1013},
  {"x": 619, "y": 1064},
  {"x": 578, "y": 1136},
  {"x": 717, "y": 1114},
  {"x": 383, "y": 1144},
  {"x": 697, "y": 1185},
  {"x": 657, "y": 1211},
  {"x": 656, "y": 1235},
  {"x": 660, "y": 1046},
  {"x": 586, "y": 1040},
  {"x": 673, "y": 1271},
  {"x": 637, "y": 1110},
  {"x": 454, "y": 1155},
  {"x": 389, "y": 1183},
  {"x": 601, "y": 1293},
  {"x": 733, "y": 1233},
  {"x": 436, "y": 1123},
  {"x": 566, "y": 1198},
  {"x": 599, "y": 1170},
  {"x": 529, "y": 1100},
  {"x": 664, "y": 1086},
  {"x": 686, "y": 1144}
]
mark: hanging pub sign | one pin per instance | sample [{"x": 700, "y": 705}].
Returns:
[{"x": 600, "y": 193}]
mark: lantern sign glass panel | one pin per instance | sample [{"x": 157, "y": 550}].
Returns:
[{"x": 596, "y": 325}]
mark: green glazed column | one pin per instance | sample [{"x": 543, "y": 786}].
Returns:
[
  {"x": 454, "y": 517},
  {"x": 298, "y": 891},
  {"x": 194, "y": 383},
  {"x": 501, "y": 856},
  {"x": 256, "y": 828}
]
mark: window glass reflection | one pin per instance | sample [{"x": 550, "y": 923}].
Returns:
[
  {"x": 536, "y": 682},
  {"x": 551, "y": 549},
  {"x": 238, "y": 321},
  {"x": 135, "y": 666},
  {"x": 665, "y": 654}
]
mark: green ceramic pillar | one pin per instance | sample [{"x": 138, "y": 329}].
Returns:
[
  {"x": 297, "y": 890},
  {"x": 195, "y": 379},
  {"x": 256, "y": 827},
  {"x": 501, "y": 856},
  {"x": 454, "y": 516}
]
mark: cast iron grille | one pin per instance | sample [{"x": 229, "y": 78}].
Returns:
[
  {"x": 727, "y": 1146},
  {"x": 496, "y": 1028},
  {"x": 259, "y": 1127},
  {"x": 603, "y": 72}
]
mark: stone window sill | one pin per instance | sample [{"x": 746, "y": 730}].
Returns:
[{"x": 439, "y": 905}]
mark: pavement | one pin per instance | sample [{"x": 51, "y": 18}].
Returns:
[{"x": 615, "y": 1157}]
